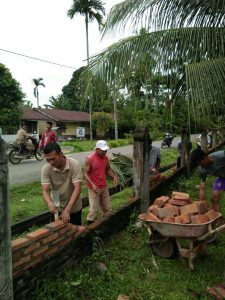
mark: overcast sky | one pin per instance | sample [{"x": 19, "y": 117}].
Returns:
[{"x": 41, "y": 29}]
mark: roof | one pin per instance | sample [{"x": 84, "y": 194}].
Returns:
[{"x": 54, "y": 114}]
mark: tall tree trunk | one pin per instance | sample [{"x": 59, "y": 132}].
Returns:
[
  {"x": 115, "y": 117},
  {"x": 87, "y": 46},
  {"x": 37, "y": 98}
]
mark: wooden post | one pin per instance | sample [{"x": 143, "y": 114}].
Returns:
[
  {"x": 214, "y": 139},
  {"x": 141, "y": 166},
  {"x": 6, "y": 286},
  {"x": 204, "y": 141},
  {"x": 185, "y": 150}
]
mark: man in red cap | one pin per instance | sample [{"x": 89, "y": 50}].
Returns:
[{"x": 95, "y": 171}]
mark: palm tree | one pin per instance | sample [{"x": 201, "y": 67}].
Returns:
[
  {"x": 37, "y": 82},
  {"x": 187, "y": 41},
  {"x": 91, "y": 10}
]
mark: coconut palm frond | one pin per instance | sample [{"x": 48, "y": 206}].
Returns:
[
  {"x": 162, "y": 51},
  {"x": 122, "y": 166},
  {"x": 205, "y": 81},
  {"x": 135, "y": 14}
]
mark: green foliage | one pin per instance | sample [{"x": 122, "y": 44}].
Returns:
[
  {"x": 102, "y": 122},
  {"x": 59, "y": 102},
  {"x": 11, "y": 97},
  {"x": 73, "y": 92}
]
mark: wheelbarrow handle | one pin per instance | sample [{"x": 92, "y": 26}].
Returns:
[{"x": 208, "y": 234}]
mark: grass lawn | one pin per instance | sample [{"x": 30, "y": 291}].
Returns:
[
  {"x": 126, "y": 265},
  {"x": 26, "y": 200}
]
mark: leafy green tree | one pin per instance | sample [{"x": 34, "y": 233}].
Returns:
[
  {"x": 73, "y": 92},
  {"x": 102, "y": 122},
  {"x": 11, "y": 96},
  {"x": 28, "y": 103},
  {"x": 91, "y": 10},
  {"x": 187, "y": 41},
  {"x": 59, "y": 102},
  {"x": 37, "y": 82}
]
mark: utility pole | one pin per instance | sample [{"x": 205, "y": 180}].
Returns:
[{"x": 6, "y": 285}]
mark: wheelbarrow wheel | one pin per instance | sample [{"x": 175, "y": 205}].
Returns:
[{"x": 163, "y": 247}]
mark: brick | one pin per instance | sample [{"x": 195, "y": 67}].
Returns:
[
  {"x": 80, "y": 230},
  {"x": 151, "y": 217},
  {"x": 168, "y": 211},
  {"x": 203, "y": 206},
  {"x": 17, "y": 256},
  {"x": 211, "y": 214},
  {"x": 40, "y": 251},
  {"x": 194, "y": 208},
  {"x": 151, "y": 207},
  {"x": 199, "y": 219},
  {"x": 23, "y": 260},
  {"x": 50, "y": 238},
  {"x": 56, "y": 225},
  {"x": 38, "y": 234},
  {"x": 19, "y": 243},
  {"x": 161, "y": 201},
  {"x": 50, "y": 251},
  {"x": 72, "y": 231},
  {"x": 66, "y": 229},
  {"x": 177, "y": 202},
  {"x": 33, "y": 262},
  {"x": 182, "y": 219},
  {"x": 180, "y": 195},
  {"x": 31, "y": 248},
  {"x": 168, "y": 219},
  {"x": 64, "y": 242},
  {"x": 154, "y": 209},
  {"x": 59, "y": 239}
]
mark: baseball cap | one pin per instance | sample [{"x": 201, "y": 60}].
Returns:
[{"x": 102, "y": 145}]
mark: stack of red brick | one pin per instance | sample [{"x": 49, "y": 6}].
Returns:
[{"x": 180, "y": 209}]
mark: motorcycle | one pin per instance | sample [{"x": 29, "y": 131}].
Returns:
[
  {"x": 33, "y": 150},
  {"x": 167, "y": 142}
]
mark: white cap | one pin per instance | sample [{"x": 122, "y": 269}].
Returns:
[{"x": 102, "y": 145}]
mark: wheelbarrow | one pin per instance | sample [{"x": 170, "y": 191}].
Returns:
[{"x": 166, "y": 238}]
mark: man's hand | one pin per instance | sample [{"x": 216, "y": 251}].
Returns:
[
  {"x": 52, "y": 208},
  {"x": 65, "y": 216},
  {"x": 115, "y": 181}
]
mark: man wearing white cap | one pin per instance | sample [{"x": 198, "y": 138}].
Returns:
[{"x": 95, "y": 171}]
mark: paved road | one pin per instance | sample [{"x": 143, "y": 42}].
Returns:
[{"x": 30, "y": 170}]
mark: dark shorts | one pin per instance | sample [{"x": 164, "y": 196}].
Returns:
[{"x": 219, "y": 184}]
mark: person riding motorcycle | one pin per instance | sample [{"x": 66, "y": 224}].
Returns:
[
  {"x": 167, "y": 140},
  {"x": 22, "y": 139}
]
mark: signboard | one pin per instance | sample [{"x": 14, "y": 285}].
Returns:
[{"x": 80, "y": 132}]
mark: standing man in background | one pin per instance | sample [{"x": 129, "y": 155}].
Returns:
[
  {"x": 95, "y": 171},
  {"x": 155, "y": 159},
  {"x": 48, "y": 136}
]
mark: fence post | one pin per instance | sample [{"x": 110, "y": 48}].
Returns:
[
  {"x": 185, "y": 150},
  {"x": 214, "y": 139},
  {"x": 6, "y": 286},
  {"x": 204, "y": 141},
  {"x": 141, "y": 166}
]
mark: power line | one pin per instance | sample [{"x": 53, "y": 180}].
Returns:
[{"x": 46, "y": 61}]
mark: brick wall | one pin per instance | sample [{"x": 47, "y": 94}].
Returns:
[
  {"x": 53, "y": 248},
  {"x": 42, "y": 243}
]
